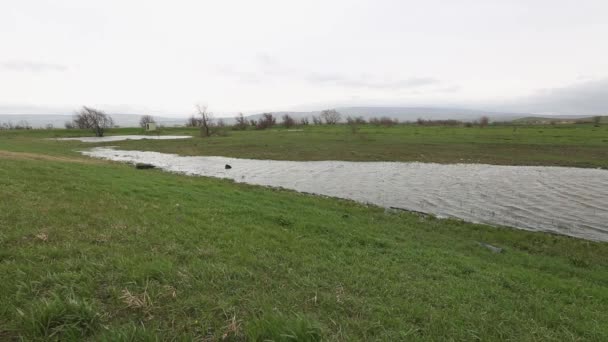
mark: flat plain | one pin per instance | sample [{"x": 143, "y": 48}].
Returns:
[{"x": 95, "y": 250}]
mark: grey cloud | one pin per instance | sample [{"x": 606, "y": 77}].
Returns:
[
  {"x": 267, "y": 67},
  {"x": 366, "y": 81},
  {"x": 17, "y": 65}
]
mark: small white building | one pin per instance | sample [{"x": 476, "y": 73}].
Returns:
[{"x": 151, "y": 126}]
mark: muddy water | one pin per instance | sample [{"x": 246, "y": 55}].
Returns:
[
  {"x": 126, "y": 137},
  {"x": 570, "y": 201}
]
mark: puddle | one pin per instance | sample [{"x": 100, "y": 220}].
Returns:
[
  {"x": 126, "y": 137},
  {"x": 569, "y": 201}
]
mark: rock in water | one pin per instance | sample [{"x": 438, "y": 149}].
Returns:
[
  {"x": 228, "y": 167},
  {"x": 143, "y": 166}
]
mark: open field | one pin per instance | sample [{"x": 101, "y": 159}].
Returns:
[
  {"x": 567, "y": 145},
  {"x": 100, "y": 251}
]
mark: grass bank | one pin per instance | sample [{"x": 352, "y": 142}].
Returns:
[{"x": 106, "y": 252}]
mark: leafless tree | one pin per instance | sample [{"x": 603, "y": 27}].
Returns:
[
  {"x": 145, "y": 120},
  {"x": 93, "y": 119},
  {"x": 193, "y": 121},
  {"x": 316, "y": 120},
  {"x": 484, "y": 121},
  {"x": 331, "y": 116},
  {"x": 359, "y": 120},
  {"x": 241, "y": 122},
  {"x": 266, "y": 121},
  {"x": 597, "y": 120},
  {"x": 304, "y": 121},
  {"x": 288, "y": 121},
  {"x": 205, "y": 119}
]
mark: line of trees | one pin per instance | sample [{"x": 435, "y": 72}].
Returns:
[{"x": 21, "y": 124}]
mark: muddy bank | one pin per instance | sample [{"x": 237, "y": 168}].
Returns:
[
  {"x": 126, "y": 137},
  {"x": 570, "y": 201}
]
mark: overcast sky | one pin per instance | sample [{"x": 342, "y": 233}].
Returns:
[{"x": 162, "y": 57}]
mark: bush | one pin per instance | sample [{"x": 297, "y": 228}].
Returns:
[
  {"x": 422, "y": 122},
  {"x": 383, "y": 121},
  {"x": 288, "y": 121},
  {"x": 93, "y": 119},
  {"x": 331, "y": 116},
  {"x": 266, "y": 121},
  {"x": 241, "y": 122}
]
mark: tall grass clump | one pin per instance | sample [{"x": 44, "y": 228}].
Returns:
[
  {"x": 280, "y": 328},
  {"x": 59, "y": 319}
]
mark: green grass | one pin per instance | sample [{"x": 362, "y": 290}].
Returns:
[
  {"x": 106, "y": 252},
  {"x": 579, "y": 145}
]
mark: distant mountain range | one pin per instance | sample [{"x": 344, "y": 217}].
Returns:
[
  {"x": 59, "y": 120},
  {"x": 401, "y": 113}
]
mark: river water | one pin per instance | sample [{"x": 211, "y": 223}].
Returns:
[
  {"x": 108, "y": 138},
  {"x": 563, "y": 200}
]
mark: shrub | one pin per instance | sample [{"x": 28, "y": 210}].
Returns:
[
  {"x": 331, "y": 116},
  {"x": 383, "y": 121},
  {"x": 484, "y": 121},
  {"x": 288, "y": 121},
  {"x": 93, "y": 119},
  {"x": 266, "y": 121},
  {"x": 241, "y": 122}
]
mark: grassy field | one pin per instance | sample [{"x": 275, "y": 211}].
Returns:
[
  {"x": 93, "y": 250},
  {"x": 559, "y": 145}
]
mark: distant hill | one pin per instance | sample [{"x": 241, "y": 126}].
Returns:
[
  {"x": 59, "y": 120},
  {"x": 403, "y": 114},
  {"x": 409, "y": 113},
  {"x": 558, "y": 119}
]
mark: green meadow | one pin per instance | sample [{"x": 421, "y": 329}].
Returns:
[{"x": 100, "y": 251}]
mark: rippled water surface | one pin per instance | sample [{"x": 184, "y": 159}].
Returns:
[
  {"x": 570, "y": 201},
  {"x": 126, "y": 137}
]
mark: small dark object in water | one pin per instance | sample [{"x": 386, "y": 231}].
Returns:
[
  {"x": 490, "y": 247},
  {"x": 228, "y": 167},
  {"x": 143, "y": 166}
]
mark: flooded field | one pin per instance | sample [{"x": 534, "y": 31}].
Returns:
[
  {"x": 570, "y": 201},
  {"x": 126, "y": 137}
]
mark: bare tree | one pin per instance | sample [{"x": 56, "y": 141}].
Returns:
[
  {"x": 205, "y": 119},
  {"x": 597, "y": 120},
  {"x": 316, "y": 120},
  {"x": 331, "y": 116},
  {"x": 145, "y": 120},
  {"x": 266, "y": 121},
  {"x": 304, "y": 121},
  {"x": 484, "y": 121},
  {"x": 288, "y": 121},
  {"x": 193, "y": 121},
  {"x": 241, "y": 122},
  {"x": 96, "y": 120}
]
